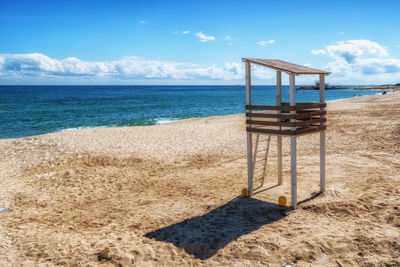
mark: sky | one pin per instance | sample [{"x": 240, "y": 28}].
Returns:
[{"x": 196, "y": 42}]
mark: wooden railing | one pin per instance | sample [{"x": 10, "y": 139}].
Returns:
[{"x": 286, "y": 120}]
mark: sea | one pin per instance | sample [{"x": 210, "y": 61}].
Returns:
[{"x": 33, "y": 110}]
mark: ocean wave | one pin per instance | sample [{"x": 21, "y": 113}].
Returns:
[
  {"x": 164, "y": 120},
  {"x": 84, "y": 128}
]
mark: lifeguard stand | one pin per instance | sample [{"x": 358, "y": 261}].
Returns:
[{"x": 284, "y": 120}]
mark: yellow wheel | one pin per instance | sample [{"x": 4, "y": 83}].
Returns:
[
  {"x": 282, "y": 201},
  {"x": 245, "y": 192}
]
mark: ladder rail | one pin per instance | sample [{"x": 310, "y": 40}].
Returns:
[
  {"x": 255, "y": 152},
  {"x": 264, "y": 159}
]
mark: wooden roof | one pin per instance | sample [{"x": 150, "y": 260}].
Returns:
[{"x": 285, "y": 66}]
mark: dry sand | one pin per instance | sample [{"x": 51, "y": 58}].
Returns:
[{"x": 168, "y": 195}]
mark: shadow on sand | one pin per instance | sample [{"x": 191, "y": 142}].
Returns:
[{"x": 202, "y": 236}]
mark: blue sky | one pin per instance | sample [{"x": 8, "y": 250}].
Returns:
[{"x": 195, "y": 42}]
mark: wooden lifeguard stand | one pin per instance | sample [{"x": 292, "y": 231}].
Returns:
[{"x": 285, "y": 119}]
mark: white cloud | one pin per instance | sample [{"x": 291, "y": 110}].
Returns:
[
  {"x": 341, "y": 33},
  {"x": 264, "y": 43},
  {"x": 229, "y": 44},
  {"x": 28, "y": 66},
  {"x": 318, "y": 52},
  {"x": 351, "y": 62},
  {"x": 308, "y": 65},
  {"x": 262, "y": 73},
  {"x": 352, "y": 49},
  {"x": 204, "y": 38},
  {"x": 39, "y": 67},
  {"x": 142, "y": 22},
  {"x": 185, "y": 32},
  {"x": 360, "y": 62}
]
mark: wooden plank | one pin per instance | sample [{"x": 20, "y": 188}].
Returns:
[
  {"x": 281, "y": 65},
  {"x": 304, "y": 104},
  {"x": 310, "y": 114},
  {"x": 309, "y": 106},
  {"x": 263, "y": 115},
  {"x": 300, "y": 103},
  {"x": 302, "y": 111},
  {"x": 257, "y": 107},
  {"x": 308, "y": 122},
  {"x": 310, "y": 130},
  {"x": 269, "y": 131},
  {"x": 271, "y": 123},
  {"x": 300, "y": 108}
]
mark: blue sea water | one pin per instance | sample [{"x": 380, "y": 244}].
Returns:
[{"x": 33, "y": 110}]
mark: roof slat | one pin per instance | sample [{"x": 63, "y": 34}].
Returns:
[{"x": 285, "y": 66}]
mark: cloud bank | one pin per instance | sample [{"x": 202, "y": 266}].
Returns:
[
  {"x": 30, "y": 65},
  {"x": 360, "y": 62},
  {"x": 351, "y": 62},
  {"x": 36, "y": 66}
]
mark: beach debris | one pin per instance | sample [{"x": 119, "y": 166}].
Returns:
[
  {"x": 4, "y": 209},
  {"x": 104, "y": 255},
  {"x": 286, "y": 265}
]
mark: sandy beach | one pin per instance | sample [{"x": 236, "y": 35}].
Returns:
[{"x": 169, "y": 195}]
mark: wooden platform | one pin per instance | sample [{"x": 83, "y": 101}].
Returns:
[{"x": 286, "y": 120}]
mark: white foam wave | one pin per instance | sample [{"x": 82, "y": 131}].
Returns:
[
  {"x": 82, "y": 128},
  {"x": 165, "y": 120}
]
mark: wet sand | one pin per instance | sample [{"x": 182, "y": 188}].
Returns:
[{"x": 170, "y": 195}]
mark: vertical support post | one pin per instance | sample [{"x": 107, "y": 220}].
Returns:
[
  {"x": 249, "y": 135},
  {"x": 293, "y": 143},
  {"x": 279, "y": 138},
  {"x": 322, "y": 135}
]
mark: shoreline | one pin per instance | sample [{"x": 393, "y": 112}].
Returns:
[{"x": 159, "y": 121}]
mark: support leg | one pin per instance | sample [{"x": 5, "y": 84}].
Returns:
[
  {"x": 322, "y": 161},
  {"x": 322, "y": 135},
  {"x": 293, "y": 162},
  {"x": 293, "y": 142},
  {"x": 279, "y": 155},
  {"x": 279, "y": 139},
  {"x": 249, "y": 163}
]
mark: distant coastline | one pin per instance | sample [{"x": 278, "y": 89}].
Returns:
[{"x": 385, "y": 87}]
